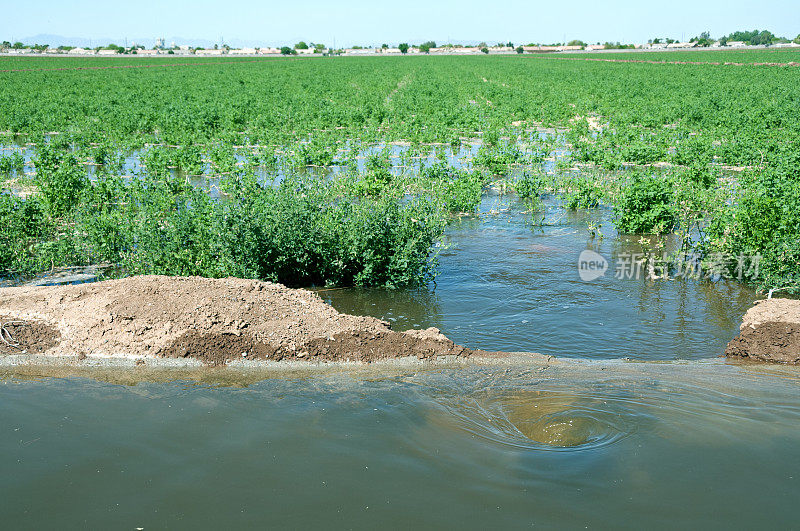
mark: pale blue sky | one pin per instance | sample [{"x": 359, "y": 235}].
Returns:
[{"x": 374, "y": 22}]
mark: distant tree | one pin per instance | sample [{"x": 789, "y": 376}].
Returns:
[
  {"x": 704, "y": 40},
  {"x": 617, "y": 46},
  {"x": 426, "y": 47},
  {"x": 509, "y": 44},
  {"x": 319, "y": 46},
  {"x": 576, "y": 42},
  {"x": 485, "y": 49},
  {"x": 384, "y": 46},
  {"x": 754, "y": 37},
  {"x": 18, "y": 45},
  {"x": 285, "y": 50},
  {"x": 765, "y": 37},
  {"x": 482, "y": 45},
  {"x": 797, "y": 40},
  {"x": 301, "y": 46},
  {"x": 403, "y": 47},
  {"x": 5, "y": 44},
  {"x": 519, "y": 49}
]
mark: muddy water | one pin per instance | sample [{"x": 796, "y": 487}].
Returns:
[
  {"x": 509, "y": 280},
  {"x": 597, "y": 444}
]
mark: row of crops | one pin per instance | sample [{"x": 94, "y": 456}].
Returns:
[{"x": 341, "y": 171}]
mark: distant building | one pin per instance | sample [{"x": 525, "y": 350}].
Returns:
[
  {"x": 107, "y": 52},
  {"x": 147, "y": 52},
  {"x": 359, "y": 51},
  {"x": 736, "y": 44},
  {"x": 209, "y": 52},
  {"x": 540, "y": 49},
  {"x": 269, "y": 51},
  {"x": 593, "y": 47},
  {"x": 466, "y": 50},
  {"x": 80, "y": 51},
  {"x": 786, "y": 45},
  {"x": 243, "y": 51},
  {"x": 680, "y": 45},
  {"x": 160, "y": 43}
]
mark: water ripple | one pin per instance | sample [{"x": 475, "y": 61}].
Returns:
[{"x": 544, "y": 420}]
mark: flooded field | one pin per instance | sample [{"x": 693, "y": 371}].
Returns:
[
  {"x": 591, "y": 444},
  {"x": 356, "y": 179},
  {"x": 509, "y": 280},
  {"x": 595, "y": 443}
]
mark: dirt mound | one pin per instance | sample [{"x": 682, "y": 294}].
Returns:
[
  {"x": 31, "y": 337},
  {"x": 770, "y": 331},
  {"x": 214, "y": 320}
]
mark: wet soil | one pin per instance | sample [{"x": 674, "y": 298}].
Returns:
[
  {"x": 770, "y": 332},
  {"x": 218, "y": 349},
  {"x": 27, "y": 337},
  {"x": 773, "y": 341}
]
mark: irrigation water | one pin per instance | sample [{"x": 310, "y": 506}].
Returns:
[{"x": 671, "y": 437}]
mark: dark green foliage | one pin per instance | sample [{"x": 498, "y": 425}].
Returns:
[
  {"x": 646, "y": 205},
  {"x": 22, "y": 223},
  {"x": 61, "y": 180},
  {"x": 764, "y": 220},
  {"x": 528, "y": 186},
  {"x": 582, "y": 193},
  {"x": 460, "y": 190},
  {"x": 11, "y": 162}
]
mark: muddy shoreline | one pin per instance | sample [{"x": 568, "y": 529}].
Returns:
[
  {"x": 187, "y": 322},
  {"x": 770, "y": 332},
  {"x": 212, "y": 321}
]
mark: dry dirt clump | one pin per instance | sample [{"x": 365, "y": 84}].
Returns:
[
  {"x": 214, "y": 320},
  {"x": 770, "y": 331}
]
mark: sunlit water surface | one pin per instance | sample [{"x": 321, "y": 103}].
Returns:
[
  {"x": 682, "y": 440},
  {"x": 598, "y": 444}
]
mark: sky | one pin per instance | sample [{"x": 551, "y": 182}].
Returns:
[{"x": 360, "y": 22}]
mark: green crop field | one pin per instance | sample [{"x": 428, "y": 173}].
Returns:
[{"x": 341, "y": 171}]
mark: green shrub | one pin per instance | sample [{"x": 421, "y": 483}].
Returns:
[
  {"x": 22, "y": 223},
  {"x": 646, "y": 205},
  {"x": 459, "y": 190},
  {"x": 528, "y": 186},
  {"x": 61, "y": 180},
  {"x": 582, "y": 194},
  {"x": 14, "y": 161},
  {"x": 763, "y": 220}
]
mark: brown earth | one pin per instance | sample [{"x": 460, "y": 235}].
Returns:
[
  {"x": 213, "y": 320},
  {"x": 770, "y": 331},
  {"x": 27, "y": 337}
]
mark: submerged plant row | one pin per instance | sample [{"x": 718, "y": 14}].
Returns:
[{"x": 654, "y": 142}]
